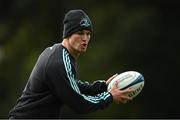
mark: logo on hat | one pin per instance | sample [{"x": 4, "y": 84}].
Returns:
[{"x": 85, "y": 22}]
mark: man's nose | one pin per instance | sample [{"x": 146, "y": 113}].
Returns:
[{"x": 85, "y": 37}]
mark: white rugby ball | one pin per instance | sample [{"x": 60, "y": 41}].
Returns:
[{"x": 129, "y": 79}]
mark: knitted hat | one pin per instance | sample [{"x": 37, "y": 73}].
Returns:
[{"x": 74, "y": 21}]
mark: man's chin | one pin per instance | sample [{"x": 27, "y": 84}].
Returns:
[{"x": 83, "y": 51}]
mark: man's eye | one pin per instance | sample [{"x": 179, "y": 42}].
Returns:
[
  {"x": 80, "y": 33},
  {"x": 88, "y": 33}
]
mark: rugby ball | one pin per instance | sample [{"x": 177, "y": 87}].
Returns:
[{"x": 129, "y": 79}]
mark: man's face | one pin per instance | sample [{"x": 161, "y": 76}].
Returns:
[{"x": 79, "y": 41}]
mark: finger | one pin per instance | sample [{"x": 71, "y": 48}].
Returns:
[
  {"x": 128, "y": 90},
  {"x": 116, "y": 84},
  {"x": 125, "y": 97},
  {"x": 113, "y": 76},
  {"x": 123, "y": 101}
]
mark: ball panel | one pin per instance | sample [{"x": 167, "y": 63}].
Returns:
[
  {"x": 136, "y": 81},
  {"x": 138, "y": 88},
  {"x": 126, "y": 78}
]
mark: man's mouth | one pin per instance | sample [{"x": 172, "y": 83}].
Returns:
[{"x": 84, "y": 44}]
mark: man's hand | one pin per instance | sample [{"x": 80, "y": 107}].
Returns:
[
  {"x": 111, "y": 78},
  {"x": 119, "y": 96}
]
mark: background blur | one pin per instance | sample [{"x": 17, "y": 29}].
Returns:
[{"x": 141, "y": 36}]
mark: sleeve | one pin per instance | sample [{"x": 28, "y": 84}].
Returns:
[
  {"x": 96, "y": 87},
  {"x": 65, "y": 88}
]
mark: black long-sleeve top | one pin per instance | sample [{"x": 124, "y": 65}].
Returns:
[{"x": 53, "y": 83}]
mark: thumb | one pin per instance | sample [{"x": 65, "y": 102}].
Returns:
[
  {"x": 115, "y": 84},
  {"x": 111, "y": 78}
]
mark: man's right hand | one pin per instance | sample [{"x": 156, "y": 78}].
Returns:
[{"x": 120, "y": 96}]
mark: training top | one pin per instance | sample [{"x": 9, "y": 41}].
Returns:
[{"x": 53, "y": 84}]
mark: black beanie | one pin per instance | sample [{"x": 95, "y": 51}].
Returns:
[{"x": 74, "y": 21}]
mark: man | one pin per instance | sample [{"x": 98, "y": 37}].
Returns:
[{"x": 53, "y": 81}]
